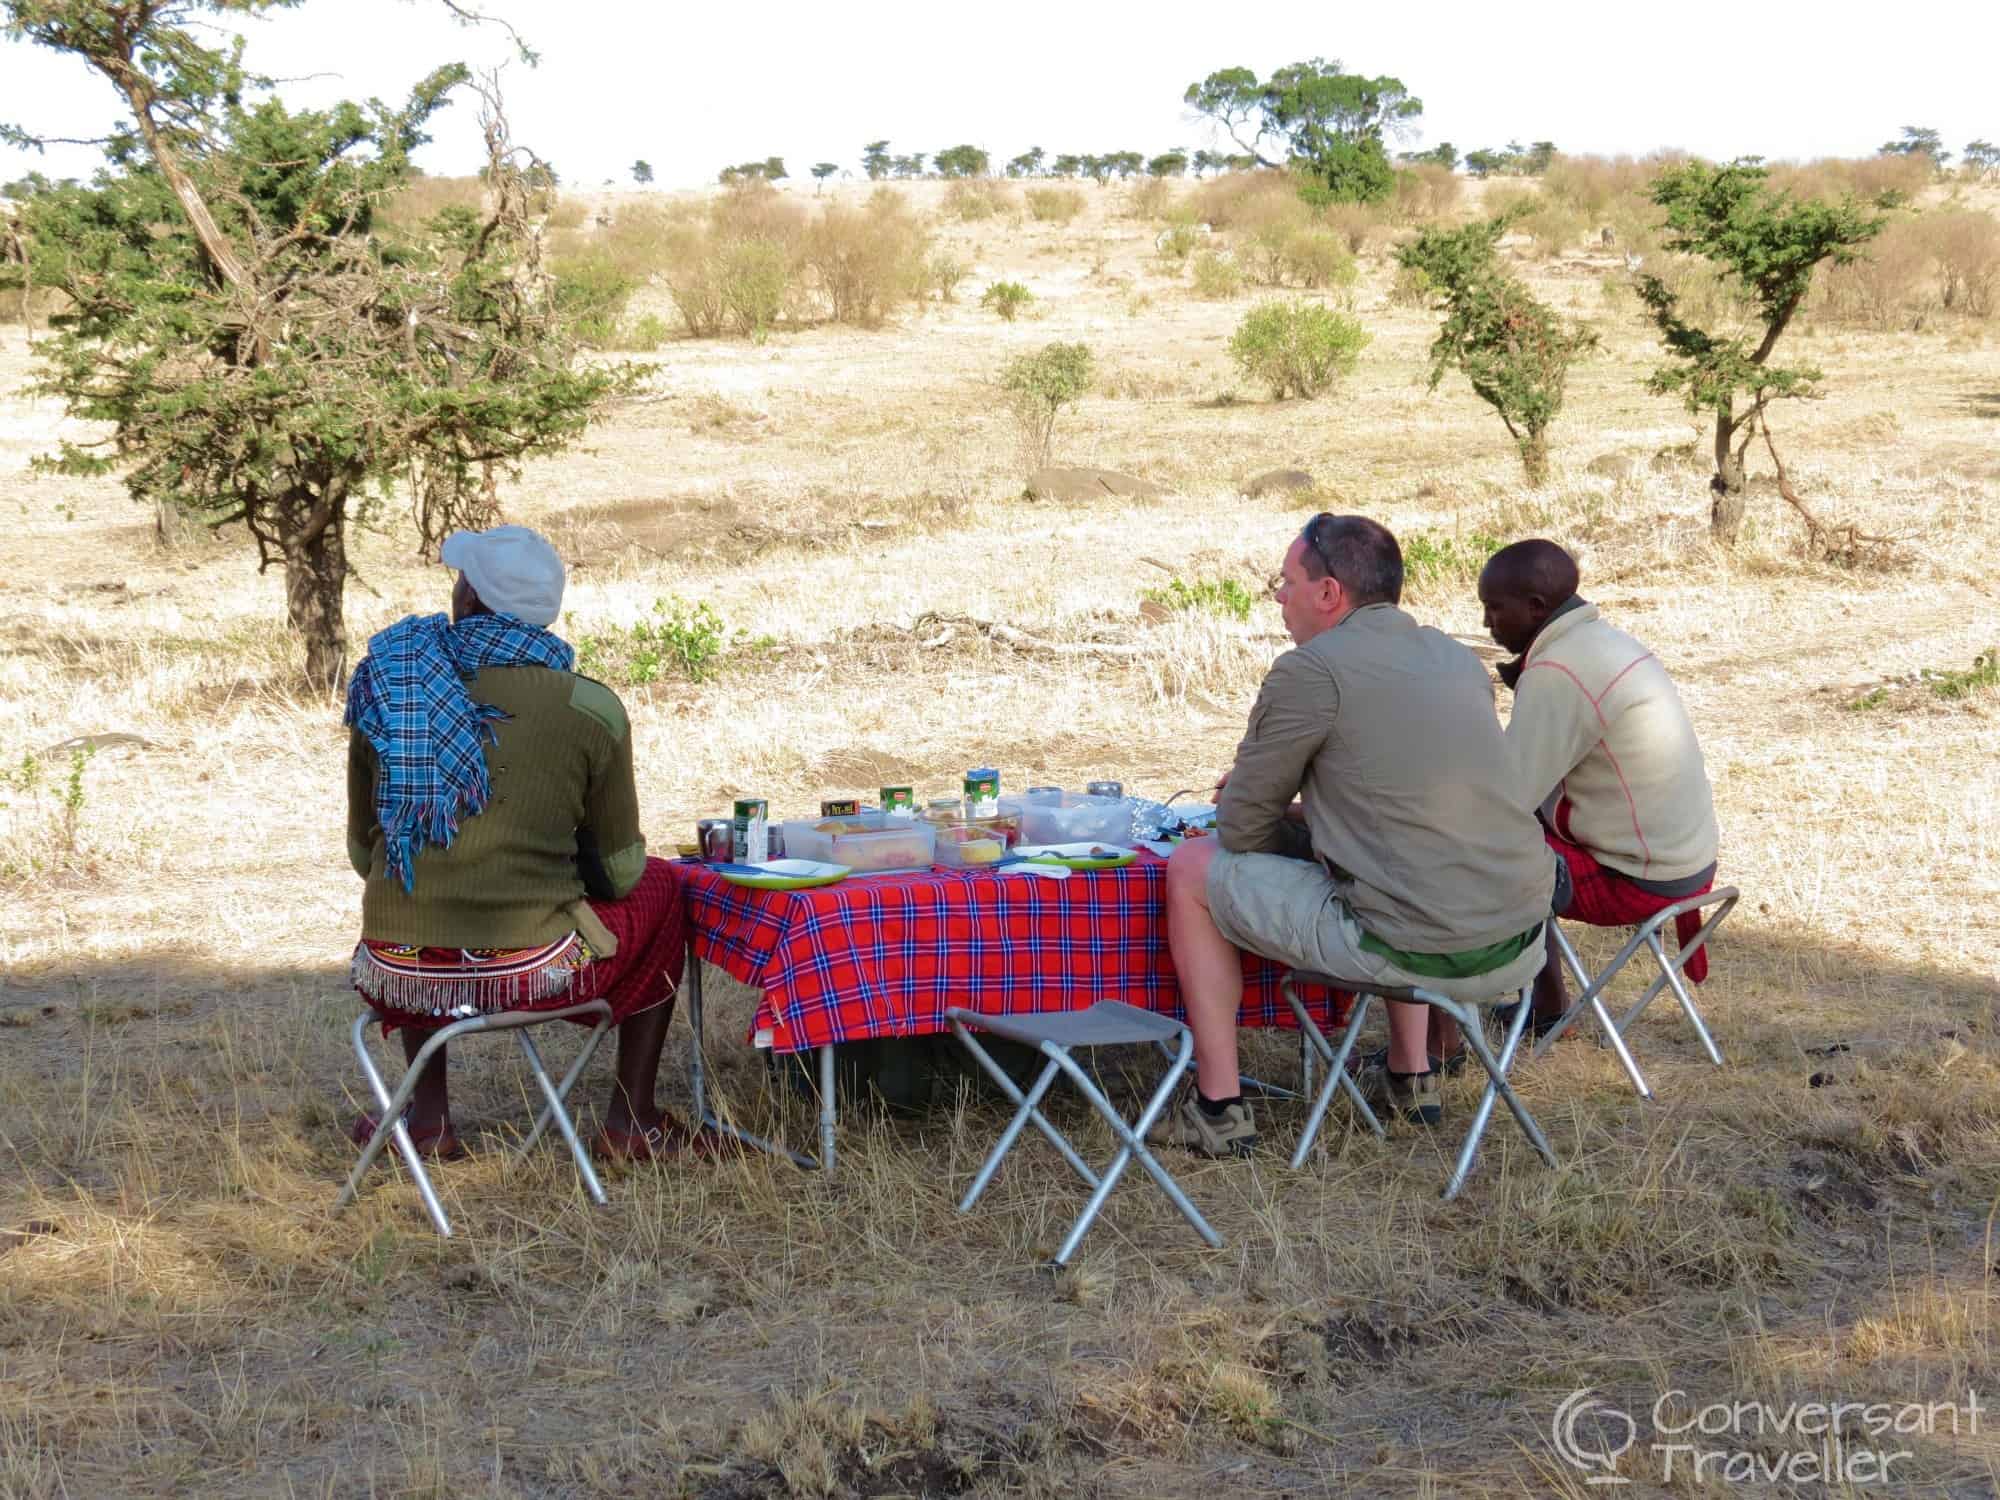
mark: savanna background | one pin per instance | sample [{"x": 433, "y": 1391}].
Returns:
[{"x": 801, "y": 548}]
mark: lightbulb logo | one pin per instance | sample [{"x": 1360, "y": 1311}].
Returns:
[{"x": 1592, "y": 1434}]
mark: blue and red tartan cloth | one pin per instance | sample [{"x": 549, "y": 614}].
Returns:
[{"x": 887, "y": 955}]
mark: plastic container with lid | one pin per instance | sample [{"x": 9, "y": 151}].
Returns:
[
  {"x": 966, "y": 846},
  {"x": 868, "y": 843},
  {"x": 1077, "y": 819}
]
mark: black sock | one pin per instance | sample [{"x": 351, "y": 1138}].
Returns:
[{"x": 1214, "y": 1108}]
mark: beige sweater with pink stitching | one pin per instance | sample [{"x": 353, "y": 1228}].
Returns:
[{"x": 1597, "y": 721}]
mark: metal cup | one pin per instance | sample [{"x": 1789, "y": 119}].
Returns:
[{"x": 714, "y": 836}]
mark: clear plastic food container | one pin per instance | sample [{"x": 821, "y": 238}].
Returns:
[
  {"x": 1077, "y": 819},
  {"x": 969, "y": 845},
  {"x": 867, "y": 843}
]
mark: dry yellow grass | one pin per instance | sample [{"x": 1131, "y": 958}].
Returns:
[{"x": 186, "y": 1318}]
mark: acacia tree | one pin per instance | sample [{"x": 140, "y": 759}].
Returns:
[
  {"x": 821, "y": 171},
  {"x": 961, "y": 161},
  {"x": 264, "y": 347},
  {"x": 642, "y": 172},
  {"x": 1330, "y": 123},
  {"x": 1767, "y": 244},
  {"x": 1513, "y": 348},
  {"x": 875, "y": 160}
]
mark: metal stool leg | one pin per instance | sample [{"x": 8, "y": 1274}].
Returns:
[
  {"x": 1338, "y": 1079},
  {"x": 569, "y": 1080},
  {"x": 1468, "y": 1019},
  {"x": 1593, "y": 998},
  {"x": 1132, "y": 1145},
  {"x": 390, "y": 1123},
  {"x": 560, "y": 1110},
  {"x": 1028, "y": 1111}
]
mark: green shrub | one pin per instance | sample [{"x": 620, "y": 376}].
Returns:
[
  {"x": 755, "y": 279},
  {"x": 1219, "y": 597},
  {"x": 944, "y": 271},
  {"x": 1981, "y": 676},
  {"x": 1216, "y": 277},
  {"x": 1038, "y": 387},
  {"x": 644, "y": 336},
  {"x": 1296, "y": 347},
  {"x": 689, "y": 640},
  {"x": 1428, "y": 558},
  {"x": 1411, "y": 287},
  {"x": 1006, "y": 298},
  {"x": 591, "y": 293},
  {"x": 1055, "y": 205},
  {"x": 1177, "y": 242}
]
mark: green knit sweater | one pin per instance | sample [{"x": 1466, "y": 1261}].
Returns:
[{"x": 563, "y": 823}]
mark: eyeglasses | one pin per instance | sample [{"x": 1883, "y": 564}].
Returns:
[{"x": 1311, "y": 535}]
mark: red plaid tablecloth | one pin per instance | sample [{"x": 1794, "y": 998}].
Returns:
[{"x": 886, "y": 955}]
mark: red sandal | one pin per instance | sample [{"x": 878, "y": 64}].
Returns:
[
  {"x": 441, "y": 1144},
  {"x": 670, "y": 1140}
]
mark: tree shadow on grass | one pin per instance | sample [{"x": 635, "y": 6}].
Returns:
[{"x": 1983, "y": 403}]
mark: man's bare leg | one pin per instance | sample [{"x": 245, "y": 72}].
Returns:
[
  {"x": 1551, "y": 994},
  {"x": 1209, "y": 967},
  {"x": 430, "y": 1106},
  {"x": 634, "y": 1108},
  {"x": 1409, "y": 1030}
]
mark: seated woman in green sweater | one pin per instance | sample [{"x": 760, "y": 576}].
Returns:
[{"x": 493, "y": 814}]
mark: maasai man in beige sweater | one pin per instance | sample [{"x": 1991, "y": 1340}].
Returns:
[{"x": 1600, "y": 742}]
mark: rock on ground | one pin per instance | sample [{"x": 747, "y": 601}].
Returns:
[{"x": 1088, "y": 484}]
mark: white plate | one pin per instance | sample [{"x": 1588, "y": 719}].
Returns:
[{"x": 797, "y": 868}]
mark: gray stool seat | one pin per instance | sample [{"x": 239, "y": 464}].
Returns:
[{"x": 1108, "y": 1023}]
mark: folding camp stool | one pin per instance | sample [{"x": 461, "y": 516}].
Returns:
[
  {"x": 1108, "y": 1023},
  {"x": 1645, "y": 935},
  {"x": 1466, "y": 1013},
  {"x": 391, "y": 1126}
]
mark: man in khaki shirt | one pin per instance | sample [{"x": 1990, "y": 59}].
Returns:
[{"x": 1406, "y": 861}]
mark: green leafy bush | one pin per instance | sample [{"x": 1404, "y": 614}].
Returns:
[
  {"x": 688, "y": 640},
  {"x": 1224, "y": 596},
  {"x": 1428, "y": 558},
  {"x": 591, "y": 293},
  {"x": 945, "y": 271},
  {"x": 1216, "y": 277},
  {"x": 1981, "y": 676},
  {"x": 1176, "y": 243},
  {"x": 1038, "y": 386},
  {"x": 1007, "y": 298},
  {"x": 754, "y": 278},
  {"x": 1411, "y": 287},
  {"x": 1296, "y": 347}
]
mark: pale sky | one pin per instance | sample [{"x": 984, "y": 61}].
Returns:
[{"x": 693, "y": 87}]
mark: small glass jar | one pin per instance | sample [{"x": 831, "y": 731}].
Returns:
[
  {"x": 1042, "y": 794},
  {"x": 945, "y": 810},
  {"x": 775, "y": 841}
]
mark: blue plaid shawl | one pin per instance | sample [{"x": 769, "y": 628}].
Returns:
[{"x": 408, "y": 696}]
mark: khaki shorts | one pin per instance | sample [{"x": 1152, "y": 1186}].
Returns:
[{"x": 1289, "y": 911}]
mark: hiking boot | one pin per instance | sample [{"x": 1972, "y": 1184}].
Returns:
[
  {"x": 1539, "y": 1026},
  {"x": 1231, "y": 1133},
  {"x": 1450, "y": 1067},
  {"x": 1412, "y": 1097}
]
